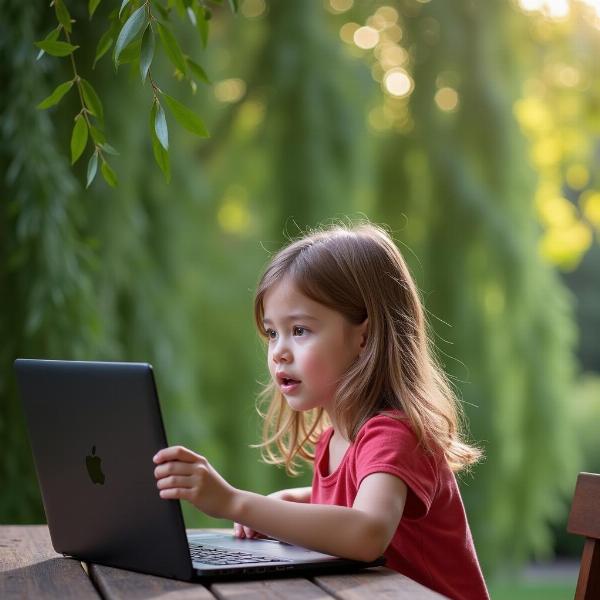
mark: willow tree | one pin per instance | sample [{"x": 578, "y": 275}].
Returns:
[
  {"x": 502, "y": 320},
  {"x": 96, "y": 275},
  {"x": 45, "y": 261},
  {"x": 315, "y": 131}
]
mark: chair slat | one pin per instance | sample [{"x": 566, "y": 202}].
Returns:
[{"x": 584, "y": 518}]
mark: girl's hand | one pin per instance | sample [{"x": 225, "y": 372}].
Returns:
[
  {"x": 183, "y": 474},
  {"x": 291, "y": 495}
]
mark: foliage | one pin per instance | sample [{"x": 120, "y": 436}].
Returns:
[
  {"x": 301, "y": 134},
  {"x": 557, "y": 111},
  {"x": 132, "y": 30},
  {"x": 46, "y": 263}
]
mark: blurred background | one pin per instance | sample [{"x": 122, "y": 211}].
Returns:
[{"x": 470, "y": 128}]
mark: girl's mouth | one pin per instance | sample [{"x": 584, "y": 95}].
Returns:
[{"x": 289, "y": 385}]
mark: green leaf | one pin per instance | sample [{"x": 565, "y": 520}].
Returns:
[
  {"x": 79, "y": 138},
  {"x": 91, "y": 99},
  {"x": 109, "y": 149},
  {"x": 131, "y": 53},
  {"x": 202, "y": 24},
  {"x": 160, "y": 126},
  {"x": 97, "y": 135},
  {"x": 185, "y": 117},
  {"x": 91, "y": 169},
  {"x": 104, "y": 45},
  {"x": 147, "y": 52},
  {"x": 197, "y": 71},
  {"x": 172, "y": 47},
  {"x": 62, "y": 14},
  {"x": 109, "y": 175},
  {"x": 56, "y": 96},
  {"x": 161, "y": 156},
  {"x": 234, "y": 6},
  {"x": 132, "y": 27},
  {"x": 192, "y": 16},
  {"x": 56, "y": 48},
  {"x": 52, "y": 36},
  {"x": 92, "y": 6},
  {"x": 123, "y": 5}
]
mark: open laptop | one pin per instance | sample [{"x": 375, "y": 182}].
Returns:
[{"x": 94, "y": 428}]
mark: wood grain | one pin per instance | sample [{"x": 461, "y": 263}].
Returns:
[
  {"x": 29, "y": 567},
  {"x": 118, "y": 584},
  {"x": 380, "y": 583},
  {"x": 584, "y": 518},
  {"x": 275, "y": 589}
]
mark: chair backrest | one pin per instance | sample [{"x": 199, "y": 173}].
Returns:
[{"x": 585, "y": 520}]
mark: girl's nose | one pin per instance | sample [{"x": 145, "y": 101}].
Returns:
[{"x": 281, "y": 353}]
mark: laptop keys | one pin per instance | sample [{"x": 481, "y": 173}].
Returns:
[{"x": 219, "y": 556}]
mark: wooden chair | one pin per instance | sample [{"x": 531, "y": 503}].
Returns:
[{"x": 585, "y": 520}]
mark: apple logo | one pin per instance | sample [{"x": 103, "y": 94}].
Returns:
[{"x": 94, "y": 467}]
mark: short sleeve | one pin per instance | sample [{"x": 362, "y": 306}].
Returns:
[{"x": 388, "y": 445}]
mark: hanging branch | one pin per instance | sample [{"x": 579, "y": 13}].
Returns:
[{"x": 134, "y": 27}]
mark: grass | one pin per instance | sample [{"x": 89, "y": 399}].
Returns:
[{"x": 528, "y": 590}]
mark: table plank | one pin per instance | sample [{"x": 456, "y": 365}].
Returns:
[
  {"x": 118, "y": 584},
  {"x": 29, "y": 567},
  {"x": 274, "y": 589},
  {"x": 380, "y": 583}
]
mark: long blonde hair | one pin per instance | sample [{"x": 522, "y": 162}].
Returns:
[{"x": 359, "y": 272}]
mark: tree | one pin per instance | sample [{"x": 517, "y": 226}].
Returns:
[{"x": 502, "y": 320}]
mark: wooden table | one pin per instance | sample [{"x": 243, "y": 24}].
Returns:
[{"x": 29, "y": 568}]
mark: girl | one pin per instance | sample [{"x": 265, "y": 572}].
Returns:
[{"x": 355, "y": 391}]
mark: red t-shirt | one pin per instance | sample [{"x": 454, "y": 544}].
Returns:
[{"x": 433, "y": 543}]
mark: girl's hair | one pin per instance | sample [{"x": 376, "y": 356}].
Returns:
[{"x": 359, "y": 272}]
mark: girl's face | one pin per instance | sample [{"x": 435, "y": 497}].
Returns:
[{"x": 310, "y": 346}]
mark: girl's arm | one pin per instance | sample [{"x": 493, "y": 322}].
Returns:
[
  {"x": 362, "y": 532},
  {"x": 300, "y": 494}
]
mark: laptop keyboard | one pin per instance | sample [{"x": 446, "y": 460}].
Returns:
[{"x": 220, "y": 556}]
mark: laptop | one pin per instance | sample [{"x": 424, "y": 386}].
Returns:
[{"x": 94, "y": 428}]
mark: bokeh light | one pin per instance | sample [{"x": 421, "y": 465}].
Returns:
[
  {"x": 366, "y": 37},
  {"x": 253, "y": 8},
  {"x": 447, "y": 99},
  {"x": 230, "y": 90},
  {"x": 398, "y": 82},
  {"x": 347, "y": 32},
  {"x": 339, "y": 6}
]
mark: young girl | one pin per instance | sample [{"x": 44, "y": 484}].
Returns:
[{"x": 354, "y": 390}]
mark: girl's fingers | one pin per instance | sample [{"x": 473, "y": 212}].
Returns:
[
  {"x": 242, "y": 532},
  {"x": 172, "y": 468},
  {"x": 176, "y": 453},
  {"x": 174, "y": 481},
  {"x": 175, "y": 494}
]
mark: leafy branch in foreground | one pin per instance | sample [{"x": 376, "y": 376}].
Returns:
[{"x": 133, "y": 30}]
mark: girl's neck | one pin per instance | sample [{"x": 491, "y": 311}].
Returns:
[{"x": 338, "y": 431}]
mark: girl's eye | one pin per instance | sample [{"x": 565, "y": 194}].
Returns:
[
  {"x": 301, "y": 330},
  {"x": 270, "y": 333}
]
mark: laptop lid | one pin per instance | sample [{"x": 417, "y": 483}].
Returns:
[{"x": 94, "y": 428}]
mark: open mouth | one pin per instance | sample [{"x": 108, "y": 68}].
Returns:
[{"x": 286, "y": 381}]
